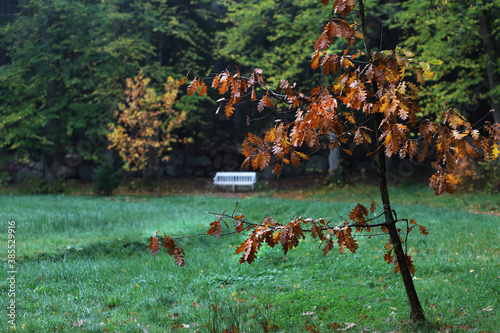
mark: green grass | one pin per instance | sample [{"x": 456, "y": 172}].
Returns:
[{"x": 83, "y": 264}]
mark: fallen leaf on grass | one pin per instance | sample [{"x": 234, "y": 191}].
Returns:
[
  {"x": 348, "y": 326},
  {"x": 307, "y": 313},
  {"x": 333, "y": 326},
  {"x": 77, "y": 323},
  {"x": 488, "y": 308}
]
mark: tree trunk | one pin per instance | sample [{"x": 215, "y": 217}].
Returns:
[
  {"x": 492, "y": 58},
  {"x": 158, "y": 174},
  {"x": 333, "y": 160},
  {"x": 416, "y": 311}
]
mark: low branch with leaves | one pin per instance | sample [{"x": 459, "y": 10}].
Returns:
[{"x": 272, "y": 233}]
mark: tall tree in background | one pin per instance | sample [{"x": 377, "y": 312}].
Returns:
[
  {"x": 145, "y": 125},
  {"x": 379, "y": 92},
  {"x": 183, "y": 35},
  {"x": 274, "y": 35}
]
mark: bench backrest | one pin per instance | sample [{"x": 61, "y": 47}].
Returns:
[{"x": 236, "y": 178}]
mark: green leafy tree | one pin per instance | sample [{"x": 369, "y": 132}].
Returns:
[
  {"x": 379, "y": 92},
  {"x": 67, "y": 60},
  {"x": 274, "y": 35},
  {"x": 145, "y": 126},
  {"x": 464, "y": 35}
]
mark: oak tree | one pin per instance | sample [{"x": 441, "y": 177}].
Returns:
[
  {"x": 145, "y": 126},
  {"x": 373, "y": 102}
]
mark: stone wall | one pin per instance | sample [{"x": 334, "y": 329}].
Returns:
[{"x": 197, "y": 163}]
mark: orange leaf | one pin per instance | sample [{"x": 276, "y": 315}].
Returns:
[
  {"x": 315, "y": 59},
  {"x": 215, "y": 82},
  {"x": 302, "y": 155},
  {"x": 183, "y": 80},
  {"x": 423, "y": 230},
  {"x": 358, "y": 138},
  {"x": 193, "y": 87},
  {"x": 229, "y": 109},
  {"x": 261, "y": 161},
  {"x": 253, "y": 95},
  {"x": 203, "y": 90}
]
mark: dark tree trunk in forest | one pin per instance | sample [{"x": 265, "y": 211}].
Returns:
[
  {"x": 158, "y": 175},
  {"x": 416, "y": 311},
  {"x": 492, "y": 59}
]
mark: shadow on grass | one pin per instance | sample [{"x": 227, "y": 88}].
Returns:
[{"x": 114, "y": 248}]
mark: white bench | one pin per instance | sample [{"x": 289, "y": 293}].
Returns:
[{"x": 235, "y": 179}]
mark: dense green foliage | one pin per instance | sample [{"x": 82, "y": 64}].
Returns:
[
  {"x": 83, "y": 264},
  {"x": 68, "y": 61},
  {"x": 465, "y": 36},
  {"x": 64, "y": 63},
  {"x": 277, "y": 36}
]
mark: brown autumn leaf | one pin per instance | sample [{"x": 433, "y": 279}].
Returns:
[
  {"x": 174, "y": 250},
  {"x": 359, "y": 214},
  {"x": 216, "y": 228},
  {"x": 316, "y": 232},
  {"x": 423, "y": 230},
  {"x": 350, "y": 242},
  {"x": 154, "y": 245},
  {"x": 328, "y": 246}
]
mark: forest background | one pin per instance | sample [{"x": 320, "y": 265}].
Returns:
[{"x": 63, "y": 67}]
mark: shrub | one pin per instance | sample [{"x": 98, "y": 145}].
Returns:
[
  {"x": 40, "y": 186},
  {"x": 486, "y": 179},
  {"x": 106, "y": 179}
]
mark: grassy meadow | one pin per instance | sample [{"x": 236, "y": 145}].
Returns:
[{"x": 83, "y": 265}]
